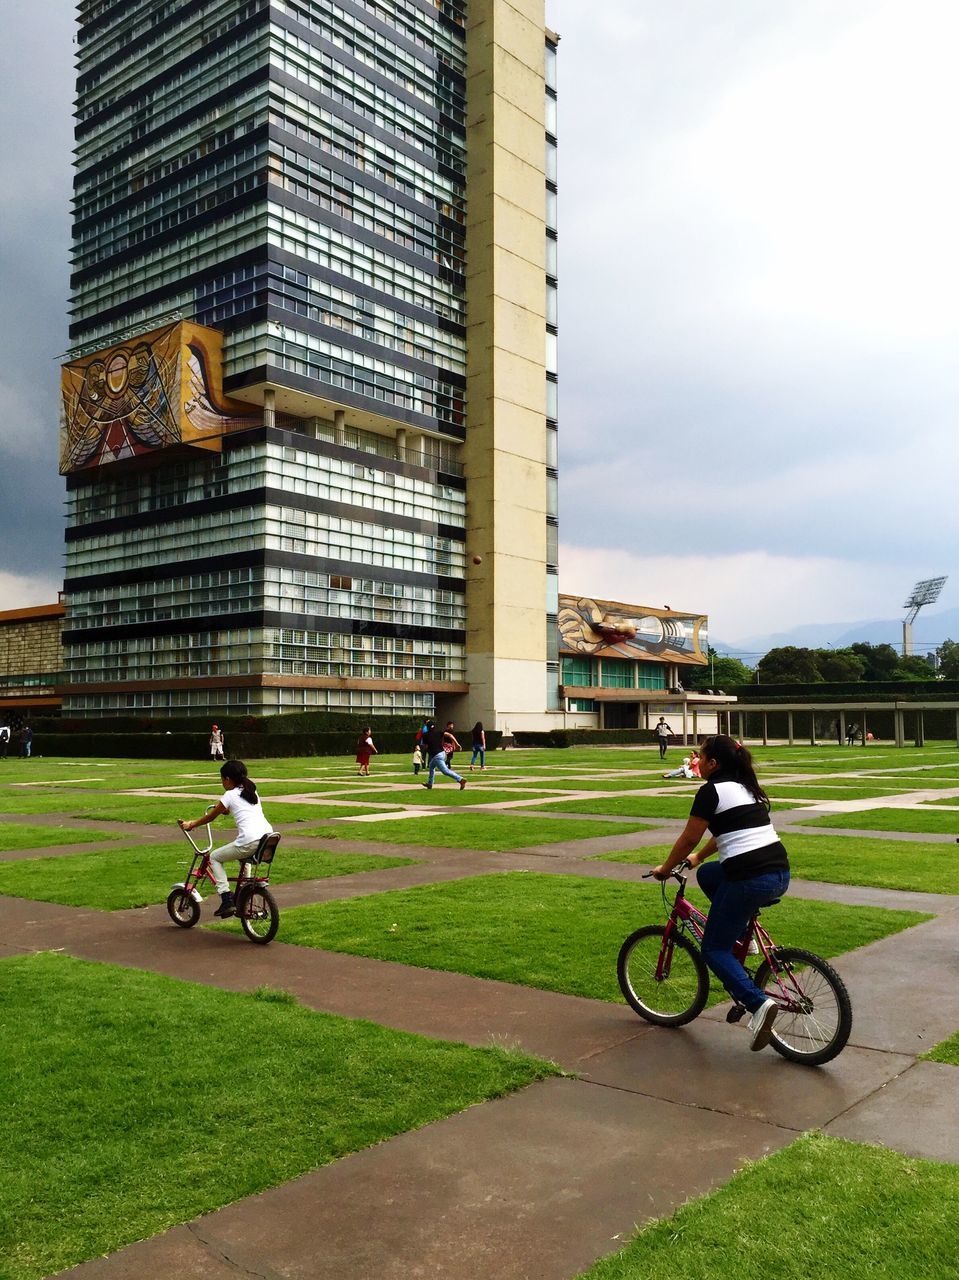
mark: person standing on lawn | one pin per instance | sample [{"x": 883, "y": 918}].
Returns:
[
  {"x": 752, "y": 872},
  {"x": 217, "y": 744},
  {"x": 26, "y": 741},
  {"x": 479, "y": 746},
  {"x": 4, "y": 740},
  {"x": 436, "y": 741},
  {"x": 364, "y": 750},
  {"x": 241, "y": 801},
  {"x": 662, "y": 736}
]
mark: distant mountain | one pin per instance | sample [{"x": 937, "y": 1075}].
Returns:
[{"x": 929, "y": 630}]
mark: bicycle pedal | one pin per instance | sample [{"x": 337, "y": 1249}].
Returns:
[{"x": 736, "y": 1013}]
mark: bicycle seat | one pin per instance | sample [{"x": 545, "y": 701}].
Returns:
[{"x": 264, "y": 850}]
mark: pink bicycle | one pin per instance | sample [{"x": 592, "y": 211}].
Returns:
[
  {"x": 664, "y": 978},
  {"x": 256, "y": 907}
]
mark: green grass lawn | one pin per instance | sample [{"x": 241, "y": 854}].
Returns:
[
  {"x": 131, "y": 1091},
  {"x": 947, "y": 1051},
  {"x": 559, "y": 933},
  {"x": 833, "y": 791},
  {"x": 635, "y": 806},
  {"x": 880, "y": 864},
  {"x": 447, "y": 793},
  {"x": 822, "y": 1209},
  {"x": 488, "y": 833},
  {"x": 117, "y": 879},
  {"x": 159, "y": 811},
  {"x": 15, "y": 835},
  {"x": 921, "y": 821}
]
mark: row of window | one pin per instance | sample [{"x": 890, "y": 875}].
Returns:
[
  {"x": 321, "y": 128},
  {"x": 374, "y": 50},
  {"x": 108, "y": 69},
  {"x": 266, "y": 465},
  {"x": 190, "y": 87},
  {"x": 276, "y": 589},
  {"x": 272, "y": 529},
  {"x": 613, "y": 673},
  {"x": 269, "y": 701}
]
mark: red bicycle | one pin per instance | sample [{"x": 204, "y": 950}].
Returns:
[
  {"x": 256, "y": 907},
  {"x": 664, "y": 978}
]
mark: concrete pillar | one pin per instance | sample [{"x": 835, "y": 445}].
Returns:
[
  {"x": 269, "y": 407},
  {"x": 900, "y": 728},
  {"x": 957, "y": 728},
  {"x": 401, "y": 444},
  {"x": 920, "y": 729},
  {"x": 864, "y": 726},
  {"x": 339, "y": 426},
  {"x": 685, "y": 713},
  {"x": 812, "y": 728},
  {"x": 842, "y": 727},
  {"x": 789, "y": 726}
]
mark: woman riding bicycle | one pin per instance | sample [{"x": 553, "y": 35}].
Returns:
[
  {"x": 241, "y": 800},
  {"x": 753, "y": 868}
]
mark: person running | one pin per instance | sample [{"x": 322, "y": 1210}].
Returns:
[
  {"x": 662, "y": 736},
  {"x": 241, "y": 801},
  {"x": 753, "y": 868},
  {"x": 479, "y": 746},
  {"x": 436, "y": 741},
  {"x": 364, "y": 751}
]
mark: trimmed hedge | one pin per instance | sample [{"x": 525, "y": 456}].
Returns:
[
  {"x": 580, "y": 737},
  {"x": 857, "y": 691},
  {"x": 240, "y": 746},
  {"x": 296, "y": 722}
]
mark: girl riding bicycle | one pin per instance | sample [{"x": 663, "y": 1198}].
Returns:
[
  {"x": 240, "y": 799},
  {"x": 753, "y": 868}
]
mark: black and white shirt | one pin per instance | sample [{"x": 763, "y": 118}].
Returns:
[{"x": 746, "y": 838}]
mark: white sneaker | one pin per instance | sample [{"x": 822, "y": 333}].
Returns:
[{"x": 761, "y": 1025}]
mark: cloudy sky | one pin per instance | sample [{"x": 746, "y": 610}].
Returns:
[{"x": 759, "y": 275}]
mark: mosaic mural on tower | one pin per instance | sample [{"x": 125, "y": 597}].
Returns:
[
  {"x": 159, "y": 389},
  {"x": 608, "y": 629}
]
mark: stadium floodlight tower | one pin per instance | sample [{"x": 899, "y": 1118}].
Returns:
[{"x": 925, "y": 592}]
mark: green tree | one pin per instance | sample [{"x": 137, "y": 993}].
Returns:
[
  {"x": 881, "y": 660},
  {"x": 722, "y": 673},
  {"x": 840, "y": 665},
  {"x": 789, "y": 665},
  {"x": 948, "y": 653},
  {"x": 914, "y": 668}
]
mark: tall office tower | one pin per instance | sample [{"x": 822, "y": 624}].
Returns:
[{"x": 305, "y": 410}]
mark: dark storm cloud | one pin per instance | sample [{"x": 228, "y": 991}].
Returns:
[{"x": 36, "y": 76}]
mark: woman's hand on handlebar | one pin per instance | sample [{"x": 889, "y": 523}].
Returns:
[{"x": 184, "y": 824}]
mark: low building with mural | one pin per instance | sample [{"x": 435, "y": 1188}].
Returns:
[{"x": 623, "y": 665}]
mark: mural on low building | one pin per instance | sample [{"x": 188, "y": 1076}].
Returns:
[
  {"x": 608, "y": 629},
  {"x": 160, "y": 389}
]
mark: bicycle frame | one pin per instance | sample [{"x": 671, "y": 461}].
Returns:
[
  {"x": 200, "y": 870},
  {"x": 685, "y": 917}
]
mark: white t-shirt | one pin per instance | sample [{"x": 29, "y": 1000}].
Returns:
[{"x": 250, "y": 819}]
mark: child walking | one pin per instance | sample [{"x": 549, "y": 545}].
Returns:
[{"x": 241, "y": 801}]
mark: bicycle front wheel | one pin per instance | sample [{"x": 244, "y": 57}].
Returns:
[
  {"x": 259, "y": 915},
  {"x": 183, "y": 908},
  {"x": 675, "y": 997},
  {"x": 815, "y": 1012}
]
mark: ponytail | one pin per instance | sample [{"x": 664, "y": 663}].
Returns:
[
  {"x": 235, "y": 771},
  {"x": 735, "y": 760}
]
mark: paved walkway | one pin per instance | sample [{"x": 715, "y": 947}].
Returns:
[{"x": 542, "y": 1183}]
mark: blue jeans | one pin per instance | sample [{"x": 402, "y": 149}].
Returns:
[
  {"x": 733, "y": 903},
  {"x": 439, "y": 762},
  {"x": 481, "y": 752}
]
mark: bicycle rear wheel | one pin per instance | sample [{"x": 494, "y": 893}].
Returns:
[
  {"x": 258, "y": 913},
  {"x": 673, "y": 999},
  {"x": 815, "y": 1012}
]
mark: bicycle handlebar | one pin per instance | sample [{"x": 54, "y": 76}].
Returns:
[
  {"x": 209, "y": 833},
  {"x": 677, "y": 873}
]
